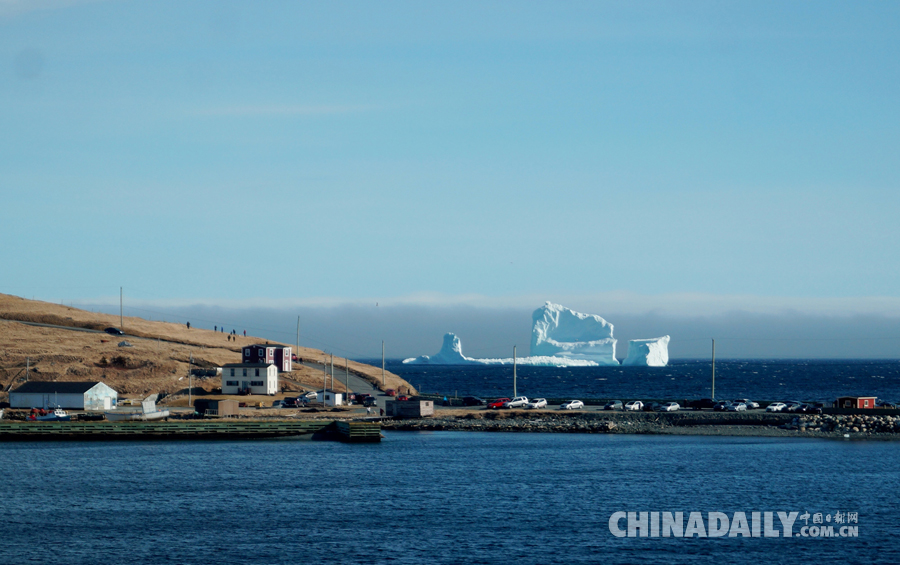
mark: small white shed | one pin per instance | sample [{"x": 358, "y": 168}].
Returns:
[{"x": 330, "y": 398}]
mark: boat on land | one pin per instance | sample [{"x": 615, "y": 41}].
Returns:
[
  {"x": 148, "y": 412},
  {"x": 58, "y": 415}
]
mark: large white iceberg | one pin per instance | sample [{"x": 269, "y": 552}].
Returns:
[
  {"x": 451, "y": 354},
  {"x": 558, "y": 331},
  {"x": 648, "y": 352}
]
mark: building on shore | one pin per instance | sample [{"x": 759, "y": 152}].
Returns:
[
  {"x": 69, "y": 395},
  {"x": 266, "y": 353},
  {"x": 249, "y": 378},
  {"x": 855, "y": 402},
  {"x": 330, "y": 397},
  {"x": 409, "y": 408}
]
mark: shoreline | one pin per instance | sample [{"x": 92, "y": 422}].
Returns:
[{"x": 652, "y": 423}]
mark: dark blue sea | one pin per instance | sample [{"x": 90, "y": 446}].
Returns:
[
  {"x": 442, "y": 498},
  {"x": 804, "y": 380}
]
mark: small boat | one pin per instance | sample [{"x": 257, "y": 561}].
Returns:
[
  {"x": 148, "y": 412},
  {"x": 58, "y": 415}
]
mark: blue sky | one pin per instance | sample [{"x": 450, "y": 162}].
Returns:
[{"x": 670, "y": 158}]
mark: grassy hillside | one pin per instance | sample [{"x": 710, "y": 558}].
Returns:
[{"x": 159, "y": 360}]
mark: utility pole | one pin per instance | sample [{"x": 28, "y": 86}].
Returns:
[
  {"x": 514, "y": 372},
  {"x": 713, "y": 369},
  {"x": 382, "y": 364},
  {"x": 191, "y": 381},
  {"x": 121, "y": 310},
  {"x": 324, "y": 380},
  {"x": 332, "y": 371},
  {"x": 347, "y": 378},
  {"x": 27, "y": 367},
  {"x": 298, "y": 338}
]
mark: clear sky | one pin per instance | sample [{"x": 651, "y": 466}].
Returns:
[{"x": 636, "y": 158}]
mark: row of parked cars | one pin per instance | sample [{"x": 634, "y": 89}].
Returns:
[{"x": 795, "y": 406}]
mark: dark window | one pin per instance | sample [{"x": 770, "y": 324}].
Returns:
[
  {"x": 257, "y": 372},
  {"x": 245, "y": 372},
  {"x": 231, "y": 383}
]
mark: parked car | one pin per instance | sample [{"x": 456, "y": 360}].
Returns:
[
  {"x": 792, "y": 406},
  {"x": 472, "y": 401},
  {"x": 721, "y": 406},
  {"x": 537, "y": 403},
  {"x": 701, "y": 404},
  {"x": 614, "y": 405},
  {"x": 390, "y": 392},
  {"x": 737, "y": 407},
  {"x": 775, "y": 407},
  {"x": 636, "y": 405},
  {"x": 370, "y": 401},
  {"x": 290, "y": 402},
  {"x": 670, "y": 407},
  {"x": 402, "y": 397},
  {"x": 498, "y": 404},
  {"x": 277, "y": 403},
  {"x": 651, "y": 407},
  {"x": 749, "y": 403},
  {"x": 571, "y": 405},
  {"x": 114, "y": 331},
  {"x": 809, "y": 408},
  {"x": 517, "y": 402},
  {"x": 311, "y": 395}
]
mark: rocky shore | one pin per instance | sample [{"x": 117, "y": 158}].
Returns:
[{"x": 676, "y": 423}]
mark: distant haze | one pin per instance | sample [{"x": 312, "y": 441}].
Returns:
[{"x": 357, "y": 331}]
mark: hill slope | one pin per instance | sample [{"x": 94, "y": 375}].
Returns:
[{"x": 159, "y": 360}]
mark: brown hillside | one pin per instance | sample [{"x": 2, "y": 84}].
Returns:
[{"x": 158, "y": 362}]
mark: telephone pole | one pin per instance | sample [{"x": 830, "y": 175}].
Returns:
[{"x": 713, "y": 369}]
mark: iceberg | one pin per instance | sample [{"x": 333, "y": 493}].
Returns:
[
  {"x": 558, "y": 331},
  {"x": 450, "y": 354},
  {"x": 648, "y": 352}
]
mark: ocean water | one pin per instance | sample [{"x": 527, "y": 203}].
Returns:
[
  {"x": 812, "y": 380},
  {"x": 443, "y": 498}
]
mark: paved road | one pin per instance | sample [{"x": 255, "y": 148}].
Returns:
[{"x": 356, "y": 383}]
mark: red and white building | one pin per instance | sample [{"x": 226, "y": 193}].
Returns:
[
  {"x": 269, "y": 355},
  {"x": 856, "y": 402}
]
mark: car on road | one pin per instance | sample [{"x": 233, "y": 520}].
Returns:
[
  {"x": 737, "y": 407},
  {"x": 810, "y": 408},
  {"x": 749, "y": 403},
  {"x": 537, "y": 403},
  {"x": 721, "y": 406},
  {"x": 402, "y": 397},
  {"x": 472, "y": 401},
  {"x": 114, "y": 331},
  {"x": 614, "y": 405},
  {"x": 776, "y": 407},
  {"x": 370, "y": 401},
  {"x": 311, "y": 395},
  {"x": 670, "y": 407},
  {"x": 651, "y": 406},
  {"x": 277, "y": 403},
  {"x": 390, "y": 392},
  {"x": 701, "y": 404},
  {"x": 517, "y": 402},
  {"x": 498, "y": 403},
  {"x": 290, "y": 402},
  {"x": 635, "y": 405},
  {"x": 571, "y": 405},
  {"x": 792, "y": 405}
]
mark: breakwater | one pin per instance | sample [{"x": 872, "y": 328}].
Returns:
[{"x": 675, "y": 423}]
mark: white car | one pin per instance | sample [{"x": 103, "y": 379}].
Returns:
[
  {"x": 737, "y": 407},
  {"x": 670, "y": 407},
  {"x": 749, "y": 403},
  {"x": 636, "y": 405},
  {"x": 537, "y": 403},
  {"x": 517, "y": 402},
  {"x": 311, "y": 395},
  {"x": 571, "y": 405},
  {"x": 776, "y": 407}
]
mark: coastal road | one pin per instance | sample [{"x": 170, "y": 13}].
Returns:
[{"x": 356, "y": 383}]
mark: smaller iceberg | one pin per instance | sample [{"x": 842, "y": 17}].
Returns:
[
  {"x": 648, "y": 352},
  {"x": 450, "y": 354}
]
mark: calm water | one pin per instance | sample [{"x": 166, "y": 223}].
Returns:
[
  {"x": 435, "y": 498},
  {"x": 764, "y": 380}
]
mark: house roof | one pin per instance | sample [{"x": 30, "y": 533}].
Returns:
[
  {"x": 57, "y": 387},
  {"x": 246, "y": 365}
]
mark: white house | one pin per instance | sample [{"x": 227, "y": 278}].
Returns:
[
  {"x": 255, "y": 378},
  {"x": 71, "y": 395},
  {"x": 330, "y": 398}
]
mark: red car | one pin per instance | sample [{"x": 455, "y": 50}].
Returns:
[
  {"x": 402, "y": 397},
  {"x": 497, "y": 404},
  {"x": 391, "y": 392}
]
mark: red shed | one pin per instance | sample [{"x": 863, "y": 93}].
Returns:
[{"x": 856, "y": 402}]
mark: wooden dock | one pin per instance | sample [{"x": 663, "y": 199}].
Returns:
[{"x": 352, "y": 432}]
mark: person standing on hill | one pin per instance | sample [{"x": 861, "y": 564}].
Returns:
[{"x": 189, "y": 325}]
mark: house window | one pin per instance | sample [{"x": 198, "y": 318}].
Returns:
[
  {"x": 245, "y": 372},
  {"x": 257, "y": 383},
  {"x": 232, "y": 372},
  {"x": 257, "y": 372},
  {"x": 866, "y": 404},
  {"x": 231, "y": 383}
]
